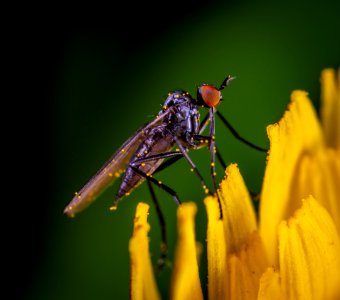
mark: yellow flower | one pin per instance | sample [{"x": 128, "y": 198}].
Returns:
[
  {"x": 293, "y": 251},
  {"x": 303, "y": 160}
]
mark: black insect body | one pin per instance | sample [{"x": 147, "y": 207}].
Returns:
[
  {"x": 181, "y": 123},
  {"x": 140, "y": 157}
]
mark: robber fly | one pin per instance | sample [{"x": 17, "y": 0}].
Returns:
[{"x": 151, "y": 149}]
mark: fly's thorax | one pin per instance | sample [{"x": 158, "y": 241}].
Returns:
[
  {"x": 177, "y": 98},
  {"x": 186, "y": 123}
]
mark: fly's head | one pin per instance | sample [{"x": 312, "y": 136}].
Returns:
[{"x": 210, "y": 96}]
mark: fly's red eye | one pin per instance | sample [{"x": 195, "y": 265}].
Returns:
[{"x": 210, "y": 95}]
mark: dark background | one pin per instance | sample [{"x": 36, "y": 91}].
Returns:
[{"x": 85, "y": 78}]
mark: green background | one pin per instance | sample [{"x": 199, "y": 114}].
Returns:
[{"x": 103, "y": 90}]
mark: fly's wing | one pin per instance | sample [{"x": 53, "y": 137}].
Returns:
[{"x": 111, "y": 170}]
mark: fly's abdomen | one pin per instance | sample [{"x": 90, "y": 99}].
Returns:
[{"x": 151, "y": 146}]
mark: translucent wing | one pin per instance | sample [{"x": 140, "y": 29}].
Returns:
[{"x": 111, "y": 170}]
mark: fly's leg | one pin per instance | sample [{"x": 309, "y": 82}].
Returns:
[
  {"x": 210, "y": 140},
  {"x": 219, "y": 157},
  {"x": 134, "y": 164},
  {"x": 158, "y": 183},
  {"x": 212, "y": 148},
  {"x": 205, "y": 140},
  {"x": 164, "y": 244},
  {"x": 237, "y": 136},
  {"x": 205, "y": 123},
  {"x": 169, "y": 162},
  {"x": 193, "y": 166},
  {"x": 175, "y": 156}
]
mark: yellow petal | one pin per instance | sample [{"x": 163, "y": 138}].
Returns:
[
  {"x": 246, "y": 268},
  {"x": 318, "y": 174},
  {"x": 217, "y": 252},
  {"x": 330, "y": 107},
  {"x": 296, "y": 133},
  {"x": 309, "y": 251},
  {"x": 242, "y": 285},
  {"x": 238, "y": 212},
  {"x": 270, "y": 286},
  {"x": 142, "y": 282},
  {"x": 185, "y": 282}
]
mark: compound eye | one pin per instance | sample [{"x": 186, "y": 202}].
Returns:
[{"x": 210, "y": 95}]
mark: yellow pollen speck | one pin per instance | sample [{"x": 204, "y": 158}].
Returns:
[
  {"x": 206, "y": 191},
  {"x": 113, "y": 207},
  {"x": 212, "y": 164},
  {"x": 177, "y": 150},
  {"x": 206, "y": 141},
  {"x": 127, "y": 194},
  {"x": 157, "y": 117},
  {"x": 192, "y": 170},
  {"x": 113, "y": 160},
  {"x": 214, "y": 174},
  {"x": 146, "y": 151},
  {"x": 201, "y": 141},
  {"x": 169, "y": 94},
  {"x": 159, "y": 182},
  {"x": 148, "y": 174},
  {"x": 138, "y": 155},
  {"x": 78, "y": 196},
  {"x": 76, "y": 193},
  {"x": 110, "y": 174},
  {"x": 117, "y": 174},
  {"x": 123, "y": 150},
  {"x": 176, "y": 96},
  {"x": 204, "y": 186},
  {"x": 165, "y": 107},
  {"x": 142, "y": 164}
]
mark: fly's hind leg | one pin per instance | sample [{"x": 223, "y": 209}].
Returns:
[
  {"x": 158, "y": 183},
  {"x": 164, "y": 244}
]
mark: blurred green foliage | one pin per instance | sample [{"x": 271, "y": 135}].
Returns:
[{"x": 102, "y": 97}]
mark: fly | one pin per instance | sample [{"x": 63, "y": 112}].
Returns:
[{"x": 151, "y": 149}]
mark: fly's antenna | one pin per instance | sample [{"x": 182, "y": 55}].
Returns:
[{"x": 226, "y": 82}]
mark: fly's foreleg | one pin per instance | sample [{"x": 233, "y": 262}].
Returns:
[
  {"x": 210, "y": 142},
  {"x": 212, "y": 148}
]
